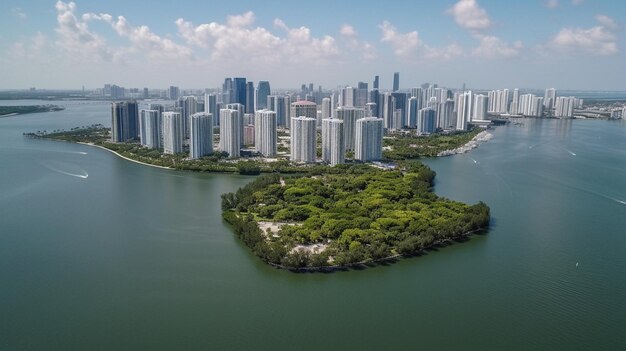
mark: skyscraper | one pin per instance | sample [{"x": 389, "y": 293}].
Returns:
[
  {"x": 426, "y": 120},
  {"x": 230, "y": 132},
  {"x": 173, "y": 93},
  {"x": 239, "y": 90},
  {"x": 303, "y": 108},
  {"x": 278, "y": 104},
  {"x": 396, "y": 81},
  {"x": 375, "y": 98},
  {"x": 481, "y": 104},
  {"x": 549, "y": 98},
  {"x": 228, "y": 91},
  {"x": 265, "y": 137},
  {"x": 360, "y": 95},
  {"x": 333, "y": 144},
  {"x": 348, "y": 95},
  {"x": 414, "y": 106},
  {"x": 263, "y": 91},
  {"x": 200, "y": 135},
  {"x": 249, "y": 97},
  {"x": 326, "y": 108},
  {"x": 564, "y": 106},
  {"x": 369, "y": 139},
  {"x": 189, "y": 106},
  {"x": 150, "y": 125},
  {"x": 349, "y": 116},
  {"x": 210, "y": 106},
  {"x": 463, "y": 106},
  {"x": 376, "y": 82},
  {"x": 400, "y": 104},
  {"x": 172, "y": 132},
  {"x": 303, "y": 139},
  {"x": 124, "y": 121}
]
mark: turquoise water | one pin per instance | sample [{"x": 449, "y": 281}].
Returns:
[{"x": 134, "y": 257}]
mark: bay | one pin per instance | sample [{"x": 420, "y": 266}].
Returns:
[{"x": 100, "y": 253}]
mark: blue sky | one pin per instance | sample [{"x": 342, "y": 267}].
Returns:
[{"x": 567, "y": 44}]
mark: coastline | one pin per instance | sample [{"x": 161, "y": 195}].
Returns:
[
  {"x": 124, "y": 157},
  {"x": 480, "y": 138}
]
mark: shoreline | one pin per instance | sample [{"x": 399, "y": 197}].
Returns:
[
  {"x": 478, "y": 139},
  {"x": 124, "y": 157}
]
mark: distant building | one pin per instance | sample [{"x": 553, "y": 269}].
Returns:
[
  {"x": 426, "y": 121},
  {"x": 376, "y": 82},
  {"x": 150, "y": 126},
  {"x": 549, "y": 98},
  {"x": 249, "y": 97},
  {"x": 349, "y": 116},
  {"x": 200, "y": 135},
  {"x": 265, "y": 136},
  {"x": 173, "y": 93},
  {"x": 396, "y": 81},
  {"x": 481, "y": 104},
  {"x": 326, "y": 108},
  {"x": 303, "y": 139},
  {"x": 279, "y": 105},
  {"x": 189, "y": 106},
  {"x": 304, "y": 108},
  {"x": 124, "y": 121},
  {"x": 239, "y": 90},
  {"x": 210, "y": 106},
  {"x": 263, "y": 91},
  {"x": 173, "y": 131},
  {"x": 564, "y": 106},
  {"x": 463, "y": 106},
  {"x": 333, "y": 144},
  {"x": 369, "y": 139},
  {"x": 230, "y": 132},
  {"x": 248, "y": 135}
]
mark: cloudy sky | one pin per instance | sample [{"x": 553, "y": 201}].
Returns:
[{"x": 567, "y": 44}]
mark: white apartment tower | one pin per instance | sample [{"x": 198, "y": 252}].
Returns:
[
  {"x": 265, "y": 137},
  {"x": 200, "y": 135},
  {"x": 333, "y": 144},
  {"x": 369, "y": 139},
  {"x": 303, "y": 139}
]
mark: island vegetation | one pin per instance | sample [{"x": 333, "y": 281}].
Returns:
[
  {"x": 346, "y": 215},
  {"x": 403, "y": 146},
  {"x": 20, "y": 110}
]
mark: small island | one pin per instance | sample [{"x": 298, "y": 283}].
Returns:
[
  {"x": 7, "y": 111},
  {"x": 347, "y": 215}
]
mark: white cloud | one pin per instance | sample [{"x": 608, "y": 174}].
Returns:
[
  {"x": 598, "y": 40},
  {"x": 552, "y": 4},
  {"x": 351, "y": 37},
  {"x": 408, "y": 46},
  {"x": 237, "y": 39},
  {"x": 405, "y": 45},
  {"x": 468, "y": 14},
  {"x": 75, "y": 38},
  {"x": 606, "y": 21},
  {"x": 19, "y": 13},
  {"x": 492, "y": 47}
]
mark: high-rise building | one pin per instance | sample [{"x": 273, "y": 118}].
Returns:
[
  {"x": 265, "y": 136},
  {"x": 248, "y": 135},
  {"x": 210, "y": 106},
  {"x": 249, "y": 97},
  {"x": 481, "y": 104},
  {"x": 369, "y": 139},
  {"x": 388, "y": 106},
  {"x": 514, "y": 108},
  {"x": 173, "y": 93},
  {"x": 326, "y": 108},
  {"x": 150, "y": 125},
  {"x": 414, "y": 106},
  {"x": 564, "y": 106},
  {"x": 531, "y": 105},
  {"x": 173, "y": 132},
  {"x": 189, "y": 106},
  {"x": 278, "y": 104},
  {"x": 333, "y": 144},
  {"x": 426, "y": 121},
  {"x": 396, "y": 81},
  {"x": 263, "y": 91},
  {"x": 304, "y": 108},
  {"x": 463, "y": 110},
  {"x": 200, "y": 135},
  {"x": 228, "y": 91},
  {"x": 349, "y": 116},
  {"x": 348, "y": 96},
  {"x": 400, "y": 104},
  {"x": 230, "y": 132},
  {"x": 303, "y": 139},
  {"x": 549, "y": 99},
  {"x": 375, "y": 99},
  {"x": 376, "y": 82},
  {"x": 124, "y": 121},
  {"x": 239, "y": 91},
  {"x": 360, "y": 95},
  {"x": 446, "y": 118}
]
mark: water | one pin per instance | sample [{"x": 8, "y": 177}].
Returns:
[{"x": 134, "y": 257}]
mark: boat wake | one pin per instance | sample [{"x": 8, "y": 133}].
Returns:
[{"x": 81, "y": 174}]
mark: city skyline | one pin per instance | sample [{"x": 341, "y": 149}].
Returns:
[{"x": 484, "y": 44}]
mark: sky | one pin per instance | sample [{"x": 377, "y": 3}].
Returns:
[{"x": 486, "y": 44}]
